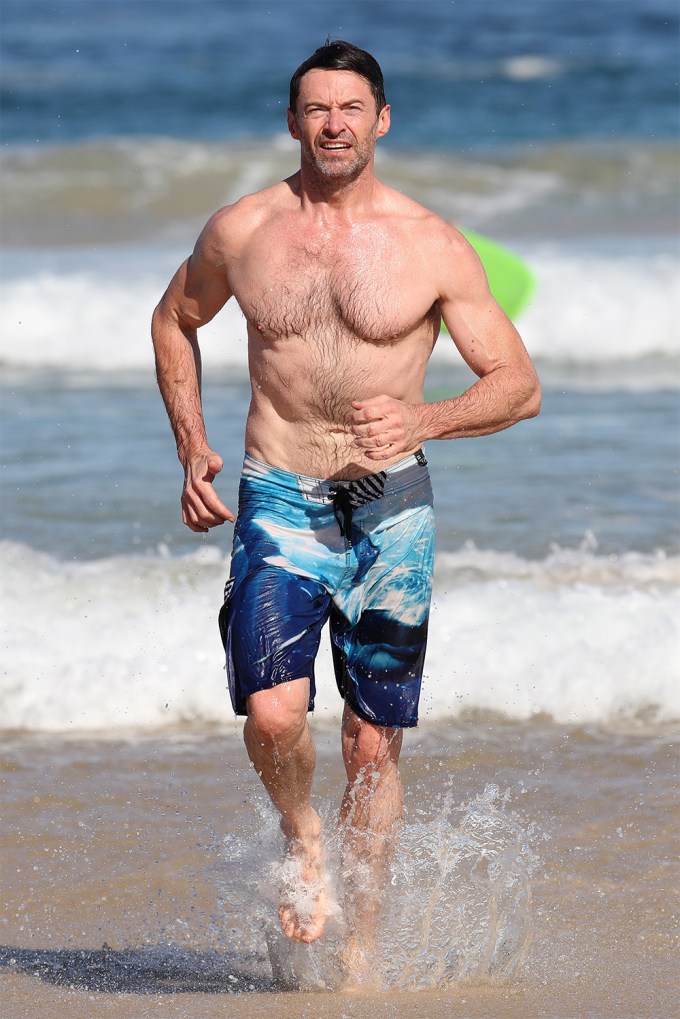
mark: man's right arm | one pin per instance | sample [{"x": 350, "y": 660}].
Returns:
[{"x": 198, "y": 290}]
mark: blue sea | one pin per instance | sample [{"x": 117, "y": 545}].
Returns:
[{"x": 549, "y": 125}]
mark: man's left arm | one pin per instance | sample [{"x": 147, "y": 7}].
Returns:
[{"x": 507, "y": 389}]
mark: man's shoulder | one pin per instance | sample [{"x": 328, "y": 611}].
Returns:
[
  {"x": 233, "y": 225},
  {"x": 422, "y": 223},
  {"x": 413, "y": 214}
]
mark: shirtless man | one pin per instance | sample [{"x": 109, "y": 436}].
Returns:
[{"x": 343, "y": 282}]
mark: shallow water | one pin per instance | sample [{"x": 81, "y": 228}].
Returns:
[{"x": 535, "y": 876}]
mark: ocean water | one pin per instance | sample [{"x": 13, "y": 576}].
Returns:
[{"x": 548, "y": 124}]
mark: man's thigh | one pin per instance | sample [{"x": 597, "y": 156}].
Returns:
[
  {"x": 379, "y": 639},
  {"x": 278, "y": 599},
  {"x": 273, "y": 631}
]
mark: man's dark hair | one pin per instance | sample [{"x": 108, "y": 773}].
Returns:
[{"x": 337, "y": 55}]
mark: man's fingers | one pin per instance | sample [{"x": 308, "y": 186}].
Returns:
[
  {"x": 190, "y": 519},
  {"x": 208, "y": 498},
  {"x": 202, "y": 519},
  {"x": 368, "y": 431},
  {"x": 375, "y": 409},
  {"x": 368, "y": 427},
  {"x": 202, "y": 508},
  {"x": 378, "y": 433},
  {"x": 381, "y": 427},
  {"x": 372, "y": 405},
  {"x": 374, "y": 442},
  {"x": 379, "y": 454},
  {"x": 194, "y": 526},
  {"x": 211, "y": 515}
]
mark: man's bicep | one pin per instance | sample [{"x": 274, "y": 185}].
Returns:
[
  {"x": 482, "y": 332},
  {"x": 194, "y": 296},
  {"x": 199, "y": 288},
  {"x": 205, "y": 287}
]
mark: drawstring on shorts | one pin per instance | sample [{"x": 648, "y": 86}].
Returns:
[{"x": 346, "y": 498}]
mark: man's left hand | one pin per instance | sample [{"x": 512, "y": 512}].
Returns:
[{"x": 384, "y": 427}]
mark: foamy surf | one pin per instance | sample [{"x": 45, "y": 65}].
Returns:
[
  {"x": 622, "y": 308},
  {"x": 132, "y": 641}
]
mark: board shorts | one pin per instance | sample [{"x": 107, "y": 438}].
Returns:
[{"x": 358, "y": 554}]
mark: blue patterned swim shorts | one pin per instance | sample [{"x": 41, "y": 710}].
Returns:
[{"x": 358, "y": 554}]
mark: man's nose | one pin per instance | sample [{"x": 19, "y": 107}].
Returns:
[{"x": 334, "y": 121}]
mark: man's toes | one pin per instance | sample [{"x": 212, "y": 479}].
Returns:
[
  {"x": 290, "y": 925},
  {"x": 288, "y": 922},
  {"x": 312, "y": 932},
  {"x": 293, "y": 928}
]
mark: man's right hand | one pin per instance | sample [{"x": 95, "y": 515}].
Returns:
[{"x": 201, "y": 506}]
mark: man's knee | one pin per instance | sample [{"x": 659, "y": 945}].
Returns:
[
  {"x": 278, "y": 716},
  {"x": 368, "y": 745}
]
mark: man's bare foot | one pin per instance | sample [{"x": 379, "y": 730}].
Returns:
[{"x": 304, "y": 888}]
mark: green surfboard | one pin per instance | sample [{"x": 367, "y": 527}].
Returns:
[{"x": 510, "y": 279}]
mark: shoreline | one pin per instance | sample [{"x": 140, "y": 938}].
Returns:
[{"x": 328, "y": 725}]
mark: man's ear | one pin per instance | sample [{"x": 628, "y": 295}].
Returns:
[
  {"x": 383, "y": 121},
  {"x": 292, "y": 125}
]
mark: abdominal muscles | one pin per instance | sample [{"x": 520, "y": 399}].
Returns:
[{"x": 302, "y": 394}]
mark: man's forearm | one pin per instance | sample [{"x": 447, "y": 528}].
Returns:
[
  {"x": 496, "y": 401},
  {"x": 178, "y": 371}
]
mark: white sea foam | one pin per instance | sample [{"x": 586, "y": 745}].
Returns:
[
  {"x": 590, "y": 308},
  {"x": 529, "y": 67},
  {"x": 132, "y": 641},
  {"x": 93, "y": 312}
]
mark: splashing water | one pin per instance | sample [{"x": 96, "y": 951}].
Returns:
[
  {"x": 460, "y": 903},
  {"x": 457, "y": 906}
]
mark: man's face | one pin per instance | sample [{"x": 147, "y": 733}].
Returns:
[{"x": 336, "y": 122}]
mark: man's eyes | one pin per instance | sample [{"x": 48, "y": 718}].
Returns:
[{"x": 313, "y": 111}]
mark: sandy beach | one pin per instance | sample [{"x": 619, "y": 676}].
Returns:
[{"x": 123, "y": 896}]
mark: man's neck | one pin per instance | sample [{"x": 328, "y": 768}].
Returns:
[{"x": 343, "y": 194}]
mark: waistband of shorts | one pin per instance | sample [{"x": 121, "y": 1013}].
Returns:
[{"x": 413, "y": 467}]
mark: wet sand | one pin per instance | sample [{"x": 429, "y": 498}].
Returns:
[
  {"x": 472, "y": 1003},
  {"x": 129, "y": 864}
]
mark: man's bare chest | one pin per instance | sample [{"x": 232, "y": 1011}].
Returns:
[{"x": 309, "y": 291}]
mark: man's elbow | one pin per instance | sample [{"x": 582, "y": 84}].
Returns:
[
  {"x": 160, "y": 319},
  {"x": 532, "y": 400},
  {"x": 156, "y": 320},
  {"x": 526, "y": 393},
  {"x": 167, "y": 323}
]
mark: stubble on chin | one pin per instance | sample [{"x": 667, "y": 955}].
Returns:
[{"x": 332, "y": 168}]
